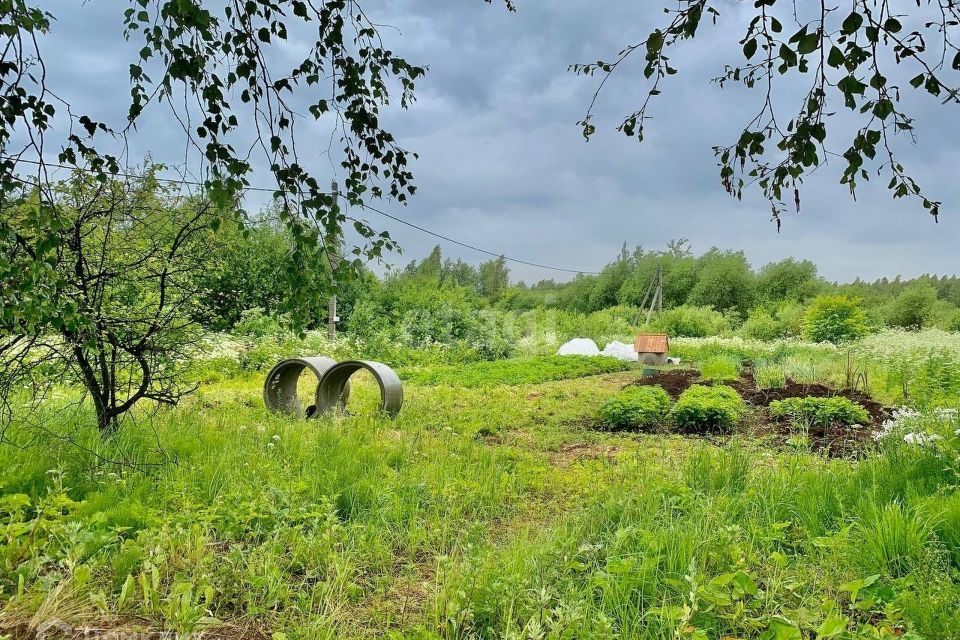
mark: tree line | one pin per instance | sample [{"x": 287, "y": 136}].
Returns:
[{"x": 725, "y": 281}]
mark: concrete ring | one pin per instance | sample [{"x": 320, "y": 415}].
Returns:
[
  {"x": 336, "y": 379},
  {"x": 280, "y": 387}
]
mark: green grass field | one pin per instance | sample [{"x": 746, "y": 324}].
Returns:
[{"x": 489, "y": 509}]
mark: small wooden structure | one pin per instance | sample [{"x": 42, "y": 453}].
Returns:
[{"x": 651, "y": 348}]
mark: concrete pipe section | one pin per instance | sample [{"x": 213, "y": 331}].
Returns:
[
  {"x": 280, "y": 388},
  {"x": 336, "y": 379}
]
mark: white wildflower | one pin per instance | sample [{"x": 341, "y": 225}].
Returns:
[{"x": 921, "y": 438}]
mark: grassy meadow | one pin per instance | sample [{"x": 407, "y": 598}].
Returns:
[{"x": 494, "y": 506}]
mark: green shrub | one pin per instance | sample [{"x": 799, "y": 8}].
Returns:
[
  {"x": 720, "y": 369},
  {"x": 416, "y": 310},
  {"x": 913, "y": 308},
  {"x": 760, "y": 325},
  {"x": 951, "y": 321},
  {"x": 820, "y": 411},
  {"x": 835, "y": 319},
  {"x": 255, "y": 323},
  {"x": 636, "y": 407},
  {"x": 602, "y": 326},
  {"x": 715, "y": 409},
  {"x": 790, "y": 317},
  {"x": 691, "y": 322}
]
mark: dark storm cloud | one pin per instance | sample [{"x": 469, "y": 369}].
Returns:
[{"x": 503, "y": 166}]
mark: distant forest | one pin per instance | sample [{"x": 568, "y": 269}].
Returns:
[{"x": 723, "y": 281}]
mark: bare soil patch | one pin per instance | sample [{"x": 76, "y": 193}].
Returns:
[
  {"x": 673, "y": 381},
  {"x": 581, "y": 451}
]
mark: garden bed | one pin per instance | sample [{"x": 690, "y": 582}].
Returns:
[
  {"x": 833, "y": 440},
  {"x": 673, "y": 381}
]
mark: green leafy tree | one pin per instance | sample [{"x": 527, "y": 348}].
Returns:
[
  {"x": 430, "y": 267},
  {"x": 835, "y": 319},
  {"x": 246, "y": 270},
  {"x": 914, "y": 307},
  {"x": 461, "y": 273},
  {"x": 788, "y": 280},
  {"x": 725, "y": 282},
  {"x": 605, "y": 286},
  {"x": 494, "y": 278},
  {"x": 118, "y": 262},
  {"x": 577, "y": 294},
  {"x": 679, "y": 276}
]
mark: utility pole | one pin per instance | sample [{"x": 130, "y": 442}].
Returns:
[
  {"x": 656, "y": 288},
  {"x": 333, "y": 247},
  {"x": 657, "y": 301}
]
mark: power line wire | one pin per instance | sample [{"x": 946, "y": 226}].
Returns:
[
  {"x": 365, "y": 206},
  {"x": 470, "y": 246}
]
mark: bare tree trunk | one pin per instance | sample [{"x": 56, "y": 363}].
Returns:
[{"x": 99, "y": 390}]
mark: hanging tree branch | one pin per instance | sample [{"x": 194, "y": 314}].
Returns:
[{"x": 844, "y": 50}]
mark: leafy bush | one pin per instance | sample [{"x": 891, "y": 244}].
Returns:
[
  {"x": 517, "y": 371},
  {"x": 835, "y": 319},
  {"x": 913, "y": 308},
  {"x": 700, "y": 408},
  {"x": 820, "y": 411},
  {"x": 951, "y": 321},
  {"x": 760, "y": 325},
  {"x": 255, "y": 323},
  {"x": 720, "y": 368},
  {"x": 787, "y": 280},
  {"x": 790, "y": 316},
  {"x": 691, "y": 322},
  {"x": 637, "y": 407}
]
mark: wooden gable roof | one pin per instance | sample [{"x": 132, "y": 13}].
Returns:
[{"x": 651, "y": 343}]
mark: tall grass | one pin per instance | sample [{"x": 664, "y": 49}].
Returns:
[
  {"x": 488, "y": 509},
  {"x": 891, "y": 540}
]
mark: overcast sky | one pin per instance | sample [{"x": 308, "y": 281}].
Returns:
[{"x": 503, "y": 166}]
